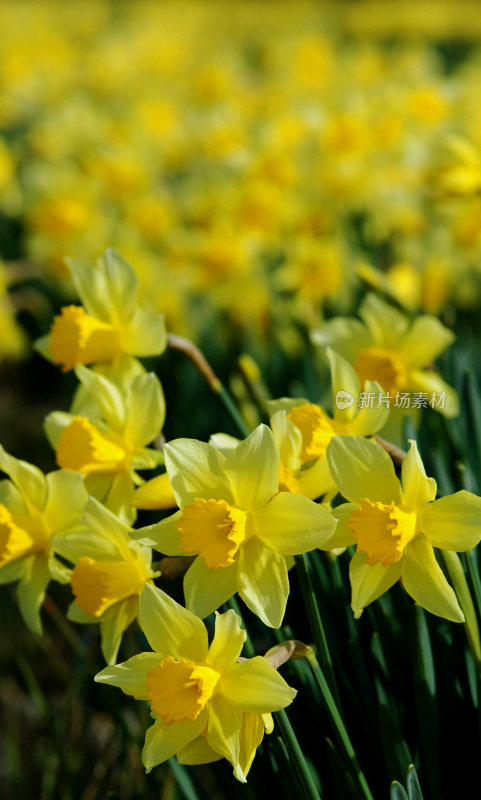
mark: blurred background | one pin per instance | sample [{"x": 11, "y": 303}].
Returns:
[{"x": 260, "y": 165}]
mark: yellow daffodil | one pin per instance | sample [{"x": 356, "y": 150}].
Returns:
[
  {"x": 303, "y": 430},
  {"x": 107, "y": 443},
  {"x": 234, "y": 517},
  {"x": 109, "y": 324},
  {"x": 206, "y": 704},
  {"x": 385, "y": 347},
  {"x": 395, "y": 526},
  {"x": 110, "y": 573},
  {"x": 33, "y": 509}
]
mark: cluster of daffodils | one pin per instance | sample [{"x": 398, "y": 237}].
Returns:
[
  {"x": 245, "y": 509},
  {"x": 261, "y": 182}
]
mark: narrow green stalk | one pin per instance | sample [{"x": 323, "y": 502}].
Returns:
[
  {"x": 248, "y": 646},
  {"x": 231, "y": 408},
  {"x": 304, "y": 774},
  {"x": 340, "y": 731},
  {"x": 458, "y": 578},
  {"x": 304, "y": 570},
  {"x": 475, "y": 581}
]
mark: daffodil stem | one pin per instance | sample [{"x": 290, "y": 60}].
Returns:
[
  {"x": 248, "y": 646},
  {"x": 315, "y": 620},
  {"x": 460, "y": 584},
  {"x": 192, "y": 352},
  {"x": 294, "y": 749},
  {"x": 340, "y": 731}
]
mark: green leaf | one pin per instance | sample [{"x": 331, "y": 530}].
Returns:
[
  {"x": 414, "y": 789},
  {"x": 397, "y": 792}
]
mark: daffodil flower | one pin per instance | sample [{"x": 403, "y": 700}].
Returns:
[
  {"x": 109, "y": 324},
  {"x": 303, "y": 430},
  {"x": 234, "y": 517},
  {"x": 396, "y": 526},
  {"x": 34, "y": 508},
  {"x": 385, "y": 347},
  {"x": 110, "y": 573},
  {"x": 206, "y": 704},
  {"x": 107, "y": 444}
]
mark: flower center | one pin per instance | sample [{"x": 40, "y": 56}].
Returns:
[
  {"x": 77, "y": 338},
  {"x": 85, "y": 449},
  {"x": 316, "y": 428},
  {"x": 179, "y": 689},
  {"x": 19, "y": 535},
  {"x": 97, "y": 585},
  {"x": 383, "y": 366},
  {"x": 214, "y": 529},
  {"x": 382, "y": 531}
]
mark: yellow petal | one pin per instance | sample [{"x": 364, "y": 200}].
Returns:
[
  {"x": 228, "y": 640},
  {"x": 206, "y": 589},
  {"x": 131, "y": 675},
  {"x": 288, "y": 439},
  {"x": 169, "y": 628},
  {"x": 146, "y": 410},
  {"x": 342, "y": 536},
  {"x": 255, "y": 686},
  {"x": 343, "y": 379},
  {"x": 385, "y": 323},
  {"x": 425, "y": 340},
  {"x": 292, "y": 524},
  {"x": 162, "y": 741},
  {"x": 418, "y": 489},
  {"x": 31, "y": 590},
  {"x": 195, "y": 469},
  {"x": 424, "y": 580},
  {"x": 262, "y": 581},
  {"x": 315, "y": 481},
  {"x": 114, "y": 622},
  {"x": 29, "y": 480},
  {"x": 251, "y": 735},
  {"x": 253, "y": 469},
  {"x": 97, "y": 585},
  {"x": 83, "y": 448},
  {"x": 223, "y": 730},
  {"x": 453, "y": 522},
  {"x": 163, "y": 536},
  {"x": 370, "y": 582},
  {"x": 154, "y": 494},
  {"x": 77, "y": 338},
  {"x": 198, "y": 752},
  {"x": 66, "y": 500},
  {"x": 446, "y": 399},
  {"x": 362, "y": 469}
]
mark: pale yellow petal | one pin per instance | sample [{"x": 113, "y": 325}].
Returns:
[
  {"x": 424, "y": 580},
  {"x": 171, "y": 629},
  {"x": 113, "y": 624},
  {"x": 288, "y": 439},
  {"x": 131, "y": 675},
  {"x": 91, "y": 287},
  {"x": 426, "y": 338},
  {"x": 228, "y": 641},
  {"x": 253, "y": 469},
  {"x": 370, "y": 418},
  {"x": 418, "y": 489},
  {"x": 108, "y": 396},
  {"x": 362, "y": 469},
  {"x": 195, "y": 470},
  {"x": 385, "y": 323},
  {"x": 29, "y": 480},
  {"x": 164, "y": 741},
  {"x": 255, "y": 685},
  {"x": 145, "y": 334},
  {"x": 345, "y": 383},
  {"x": 370, "y": 582},
  {"x": 344, "y": 335},
  {"x": 206, "y": 589},
  {"x": 145, "y": 410},
  {"x": 31, "y": 590},
  {"x": 262, "y": 581},
  {"x": 198, "y": 752},
  {"x": 155, "y": 494},
  {"x": 66, "y": 500},
  {"x": 292, "y": 524},
  {"x": 316, "y": 480},
  {"x": 342, "y": 536},
  {"x": 223, "y": 730},
  {"x": 122, "y": 285},
  {"x": 163, "y": 536},
  {"x": 453, "y": 522},
  {"x": 446, "y": 400}
]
